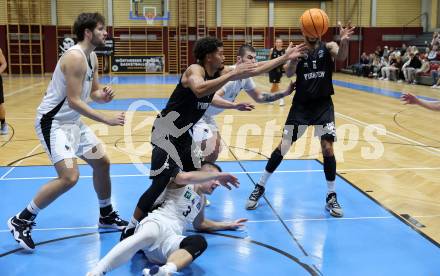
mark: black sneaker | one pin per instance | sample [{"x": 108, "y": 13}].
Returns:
[
  {"x": 21, "y": 230},
  {"x": 252, "y": 202},
  {"x": 112, "y": 220},
  {"x": 333, "y": 206},
  {"x": 127, "y": 232}
]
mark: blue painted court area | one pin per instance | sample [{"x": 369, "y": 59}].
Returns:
[
  {"x": 140, "y": 79},
  {"x": 289, "y": 234},
  {"x": 134, "y": 104}
]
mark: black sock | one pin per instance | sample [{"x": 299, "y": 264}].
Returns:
[
  {"x": 274, "y": 160},
  {"x": 330, "y": 168},
  {"x": 2, "y": 121},
  {"x": 25, "y": 214},
  {"x": 105, "y": 211}
]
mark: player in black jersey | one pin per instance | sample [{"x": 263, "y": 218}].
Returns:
[
  {"x": 173, "y": 146},
  {"x": 312, "y": 106},
  {"x": 276, "y": 73}
]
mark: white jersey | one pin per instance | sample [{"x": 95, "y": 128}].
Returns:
[
  {"x": 180, "y": 207},
  {"x": 54, "y": 103},
  {"x": 232, "y": 89}
]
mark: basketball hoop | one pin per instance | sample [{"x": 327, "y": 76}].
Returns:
[{"x": 149, "y": 17}]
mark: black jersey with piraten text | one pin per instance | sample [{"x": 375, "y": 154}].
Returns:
[
  {"x": 190, "y": 108},
  {"x": 314, "y": 75}
]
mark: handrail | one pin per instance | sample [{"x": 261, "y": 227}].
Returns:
[{"x": 412, "y": 20}]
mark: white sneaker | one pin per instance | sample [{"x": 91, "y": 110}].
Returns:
[
  {"x": 400, "y": 81},
  {"x": 4, "y": 129},
  {"x": 386, "y": 79},
  {"x": 155, "y": 270},
  {"x": 381, "y": 78},
  {"x": 434, "y": 86},
  {"x": 281, "y": 102}
]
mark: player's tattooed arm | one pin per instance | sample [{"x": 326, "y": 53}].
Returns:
[{"x": 271, "y": 97}]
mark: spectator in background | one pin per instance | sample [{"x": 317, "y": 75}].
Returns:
[
  {"x": 435, "y": 73},
  {"x": 435, "y": 39},
  {"x": 364, "y": 61},
  {"x": 410, "y": 67},
  {"x": 433, "y": 54},
  {"x": 379, "y": 51},
  {"x": 386, "y": 52},
  {"x": 403, "y": 49}
]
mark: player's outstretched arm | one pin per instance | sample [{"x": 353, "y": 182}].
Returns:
[
  {"x": 201, "y": 223},
  {"x": 409, "y": 98},
  {"x": 292, "y": 53},
  {"x": 194, "y": 78},
  {"x": 265, "y": 97},
  {"x": 341, "y": 52},
  {"x": 225, "y": 179},
  {"x": 219, "y": 102}
]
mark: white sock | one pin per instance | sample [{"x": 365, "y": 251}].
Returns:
[
  {"x": 133, "y": 223},
  {"x": 105, "y": 202},
  {"x": 331, "y": 186},
  {"x": 170, "y": 268},
  {"x": 264, "y": 178},
  {"x": 33, "y": 208}
]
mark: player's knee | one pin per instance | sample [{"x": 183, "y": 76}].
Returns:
[
  {"x": 194, "y": 244},
  {"x": 69, "y": 180},
  {"x": 327, "y": 148}
]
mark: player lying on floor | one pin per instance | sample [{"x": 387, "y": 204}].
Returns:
[{"x": 160, "y": 234}]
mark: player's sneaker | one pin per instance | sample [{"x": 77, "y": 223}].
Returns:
[
  {"x": 4, "y": 129},
  {"x": 281, "y": 102},
  {"x": 333, "y": 206},
  {"x": 252, "y": 202},
  {"x": 112, "y": 220},
  {"x": 127, "y": 232},
  {"x": 155, "y": 270},
  {"x": 21, "y": 230}
]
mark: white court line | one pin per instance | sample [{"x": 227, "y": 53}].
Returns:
[
  {"x": 11, "y": 169},
  {"x": 392, "y": 134},
  {"x": 24, "y": 89},
  {"x": 250, "y": 221},
  {"x": 240, "y": 172}
]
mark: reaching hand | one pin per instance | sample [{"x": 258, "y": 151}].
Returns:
[
  {"x": 409, "y": 98},
  {"x": 290, "y": 88},
  {"x": 244, "y": 70},
  {"x": 225, "y": 179},
  {"x": 109, "y": 94},
  {"x": 295, "y": 52},
  {"x": 244, "y": 106},
  {"x": 237, "y": 223},
  {"x": 345, "y": 32},
  {"x": 119, "y": 120}
]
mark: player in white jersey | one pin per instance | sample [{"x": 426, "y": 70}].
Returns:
[
  {"x": 65, "y": 137},
  {"x": 160, "y": 234},
  {"x": 205, "y": 131}
]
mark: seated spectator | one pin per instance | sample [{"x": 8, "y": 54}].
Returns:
[
  {"x": 435, "y": 73},
  {"x": 410, "y": 67},
  {"x": 433, "y": 54},
  {"x": 364, "y": 61},
  {"x": 392, "y": 70},
  {"x": 424, "y": 69},
  {"x": 403, "y": 49},
  {"x": 375, "y": 66},
  {"x": 379, "y": 51}
]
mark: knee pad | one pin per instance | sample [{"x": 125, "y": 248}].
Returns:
[
  {"x": 194, "y": 244},
  {"x": 274, "y": 161}
]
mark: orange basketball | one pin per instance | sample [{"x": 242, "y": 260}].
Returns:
[{"x": 314, "y": 23}]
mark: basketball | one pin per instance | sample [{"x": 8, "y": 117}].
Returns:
[{"x": 314, "y": 23}]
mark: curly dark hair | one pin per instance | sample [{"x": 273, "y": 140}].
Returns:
[
  {"x": 204, "y": 46},
  {"x": 86, "y": 21}
]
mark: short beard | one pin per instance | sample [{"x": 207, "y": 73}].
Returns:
[
  {"x": 313, "y": 43},
  {"x": 96, "y": 42}
]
